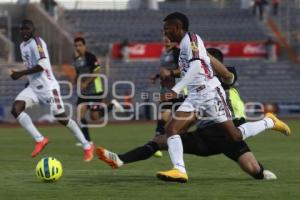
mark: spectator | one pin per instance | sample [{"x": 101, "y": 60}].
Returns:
[
  {"x": 49, "y": 6},
  {"x": 260, "y": 5},
  {"x": 275, "y": 4}
]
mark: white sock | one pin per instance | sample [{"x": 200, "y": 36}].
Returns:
[
  {"x": 250, "y": 129},
  {"x": 176, "y": 152},
  {"x": 78, "y": 134},
  {"x": 26, "y": 122}
]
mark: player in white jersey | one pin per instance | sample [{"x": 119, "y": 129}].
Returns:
[
  {"x": 206, "y": 99},
  {"x": 43, "y": 88}
]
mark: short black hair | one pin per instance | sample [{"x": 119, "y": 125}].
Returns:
[
  {"x": 79, "y": 39},
  {"x": 217, "y": 53},
  {"x": 181, "y": 17},
  {"x": 27, "y": 22}
]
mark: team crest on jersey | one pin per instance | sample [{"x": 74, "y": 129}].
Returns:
[
  {"x": 194, "y": 46},
  {"x": 40, "y": 48}
]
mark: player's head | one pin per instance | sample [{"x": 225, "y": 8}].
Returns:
[
  {"x": 27, "y": 29},
  {"x": 216, "y": 53},
  {"x": 80, "y": 47},
  {"x": 176, "y": 25}
]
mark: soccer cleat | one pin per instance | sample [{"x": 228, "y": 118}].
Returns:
[
  {"x": 110, "y": 158},
  {"x": 279, "y": 125},
  {"x": 89, "y": 153},
  {"x": 158, "y": 154},
  {"x": 173, "y": 175},
  {"x": 117, "y": 105},
  {"x": 39, "y": 146},
  {"x": 268, "y": 175}
]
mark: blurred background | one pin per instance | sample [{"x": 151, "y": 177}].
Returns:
[{"x": 261, "y": 38}]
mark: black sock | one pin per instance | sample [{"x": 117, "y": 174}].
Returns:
[
  {"x": 260, "y": 174},
  {"x": 160, "y": 127},
  {"x": 85, "y": 130},
  {"x": 140, "y": 153}
]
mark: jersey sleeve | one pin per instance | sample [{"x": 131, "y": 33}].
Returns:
[
  {"x": 192, "y": 48},
  {"x": 193, "y": 70},
  {"x": 38, "y": 48}
]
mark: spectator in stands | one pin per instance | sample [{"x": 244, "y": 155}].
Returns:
[
  {"x": 275, "y": 4},
  {"x": 124, "y": 50},
  {"x": 260, "y": 4},
  {"x": 50, "y": 6}
]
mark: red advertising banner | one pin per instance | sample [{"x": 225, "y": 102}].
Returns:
[{"x": 139, "y": 51}]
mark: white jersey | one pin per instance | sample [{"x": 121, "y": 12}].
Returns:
[
  {"x": 34, "y": 51},
  {"x": 196, "y": 71}
]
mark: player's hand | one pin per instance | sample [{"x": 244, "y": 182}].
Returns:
[
  {"x": 164, "y": 73},
  {"x": 168, "y": 96},
  {"x": 15, "y": 75}
]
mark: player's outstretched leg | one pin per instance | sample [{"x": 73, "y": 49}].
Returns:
[{"x": 270, "y": 121}]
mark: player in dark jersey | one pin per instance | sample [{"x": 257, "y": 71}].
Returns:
[
  {"x": 90, "y": 86},
  {"x": 169, "y": 75},
  {"x": 206, "y": 140}
]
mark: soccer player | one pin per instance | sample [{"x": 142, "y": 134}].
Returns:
[
  {"x": 86, "y": 63},
  {"x": 206, "y": 99},
  {"x": 205, "y": 141},
  {"x": 43, "y": 88},
  {"x": 169, "y": 75}
]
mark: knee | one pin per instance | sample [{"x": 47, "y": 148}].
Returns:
[
  {"x": 171, "y": 130},
  {"x": 63, "y": 122},
  {"x": 161, "y": 141},
  {"x": 15, "y": 111},
  {"x": 235, "y": 136}
]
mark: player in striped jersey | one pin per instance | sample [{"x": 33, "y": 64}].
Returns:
[
  {"x": 206, "y": 140},
  {"x": 43, "y": 88},
  {"x": 206, "y": 98}
]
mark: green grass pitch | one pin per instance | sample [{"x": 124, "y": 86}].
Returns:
[{"x": 210, "y": 178}]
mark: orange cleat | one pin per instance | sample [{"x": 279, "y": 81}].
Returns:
[
  {"x": 89, "y": 153},
  {"x": 39, "y": 146},
  {"x": 110, "y": 158}
]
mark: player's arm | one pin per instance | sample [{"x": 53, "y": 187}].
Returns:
[
  {"x": 189, "y": 76},
  {"x": 220, "y": 69},
  {"x": 18, "y": 74}
]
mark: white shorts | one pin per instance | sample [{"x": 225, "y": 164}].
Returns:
[
  {"x": 47, "y": 97},
  {"x": 210, "y": 106}
]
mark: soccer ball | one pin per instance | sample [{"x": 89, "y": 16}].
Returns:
[{"x": 49, "y": 169}]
